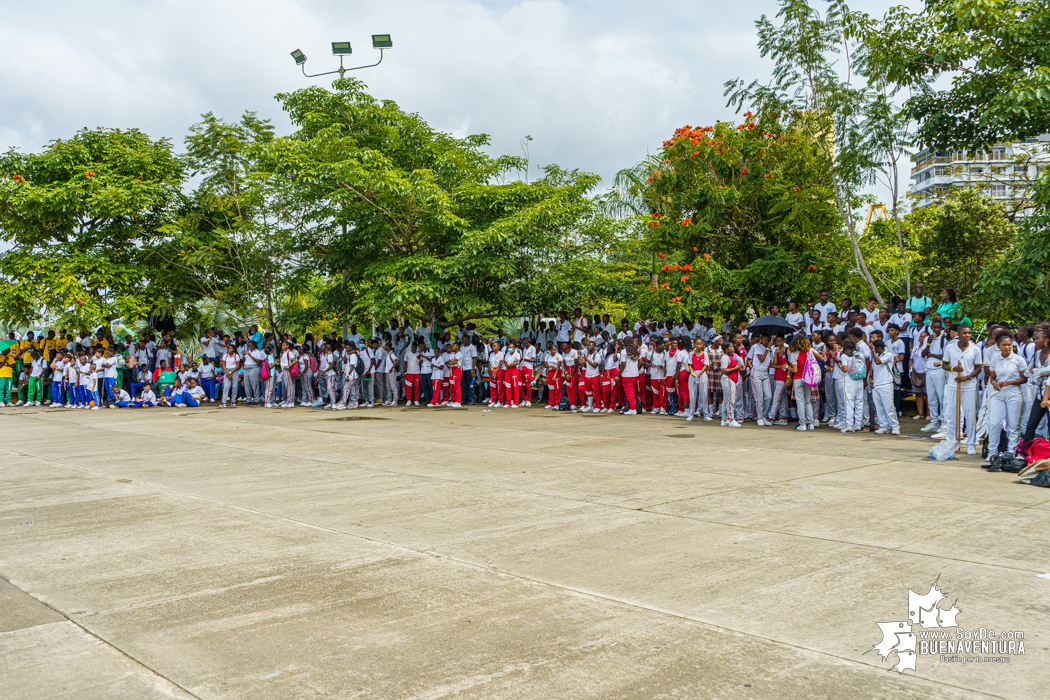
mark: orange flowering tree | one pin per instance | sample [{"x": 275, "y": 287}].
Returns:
[{"x": 743, "y": 216}]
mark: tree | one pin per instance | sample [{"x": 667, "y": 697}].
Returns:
[
  {"x": 249, "y": 236},
  {"x": 995, "y": 53},
  {"x": 81, "y": 219},
  {"x": 742, "y": 216},
  {"x": 433, "y": 230},
  {"x": 958, "y": 237},
  {"x": 806, "y": 81}
]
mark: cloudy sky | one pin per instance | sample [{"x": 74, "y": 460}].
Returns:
[{"x": 597, "y": 83}]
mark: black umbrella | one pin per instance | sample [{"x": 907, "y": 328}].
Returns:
[{"x": 771, "y": 325}]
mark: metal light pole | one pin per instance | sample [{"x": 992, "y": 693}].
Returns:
[{"x": 380, "y": 42}]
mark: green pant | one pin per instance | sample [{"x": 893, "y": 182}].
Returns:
[
  {"x": 36, "y": 389},
  {"x": 5, "y": 389}
]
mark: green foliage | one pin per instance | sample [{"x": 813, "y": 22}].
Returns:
[
  {"x": 81, "y": 218},
  {"x": 996, "y": 53},
  {"x": 747, "y": 212},
  {"x": 433, "y": 230},
  {"x": 1017, "y": 282}
]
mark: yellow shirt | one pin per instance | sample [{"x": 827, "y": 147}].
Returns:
[
  {"x": 7, "y": 370},
  {"x": 25, "y": 347}
]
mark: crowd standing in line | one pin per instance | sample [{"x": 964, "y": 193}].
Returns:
[{"x": 839, "y": 365}]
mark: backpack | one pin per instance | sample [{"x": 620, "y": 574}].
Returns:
[
  {"x": 313, "y": 364},
  {"x": 855, "y": 367},
  {"x": 360, "y": 365},
  {"x": 1041, "y": 479},
  {"x": 1029, "y": 473},
  {"x": 264, "y": 370},
  {"x": 811, "y": 374},
  {"x": 293, "y": 370},
  {"x": 1037, "y": 450}
]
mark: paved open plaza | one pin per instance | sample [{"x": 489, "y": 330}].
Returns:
[{"x": 414, "y": 553}]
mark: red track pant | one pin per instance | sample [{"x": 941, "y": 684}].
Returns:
[
  {"x": 553, "y": 387},
  {"x": 659, "y": 392},
  {"x": 496, "y": 386},
  {"x": 512, "y": 385},
  {"x": 630, "y": 385},
  {"x": 412, "y": 387},
  {"x": 609, "y": 388},
  {"x": 455, "y": 385},
  {"x": 435, "y": 385},
  {"x": 683, "y": 390},
  {"x": 526, "y": 384}
]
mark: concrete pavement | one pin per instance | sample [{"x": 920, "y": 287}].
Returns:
[{"x": 431, "y": 553}]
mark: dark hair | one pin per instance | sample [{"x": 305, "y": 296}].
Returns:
[
  {"x": 951, "y": 295},
  {"x": 878, "y": 344},
  {"x": 893, "y": 325}
]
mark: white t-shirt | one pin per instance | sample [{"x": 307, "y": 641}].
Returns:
[
  {"x": 824, "y": 309},
  {"x": 672, "y": 361},
  {"x": 656, "y": 368},
  {"x": 579, "y": 328},
  {"x": 211, "y": 347},
  {"x": 870, "y": 315},
  {"x": 1007, "y": 368},
  {"x": 437, "y": 366},
  {"x": 512, "y": 357},
  {"x": 149, "y": 396},
  {"x": 630, "y": 364},
  {"x": 196, "y": 393},
  {"x": 123, "y": 395},
  {"x": 411, "y": 363},
  {"x": 38, "y": 368},
  {"x": 388, "y": 362},
  {"x": 796, "y": 319},
  {"x": 881, "y": 373},
  {"x": 230, "y": 361},
  {"x": 469, "y": 354},
  {"x": 552, "y": 360},
  {"x": 528, "y": 357},
  {"x": 762, "y": 364},
  {"x": 496, "y": 359},
  {"x": 109, "y": 366},
  {"x": 970, "y": 358},
  {"x": 60, "y": 371}
]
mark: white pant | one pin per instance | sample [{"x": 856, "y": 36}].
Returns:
[
  {"x": 729, "y": 390},
  {"x": 697, "y": 395},
  {"x": 885, "y": 411},
  {"x": 1004, "y": 406},
  {"x": 763, "y": 393},
  {"x": 967, "y": 412},
  {"x": 779, "y": 405},
  {"x": 804, "y": 403},
  {"x": 935, "y": 395},
  {"x": 853, "y": 389}
]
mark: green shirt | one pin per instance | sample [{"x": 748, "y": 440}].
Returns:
[{"x": 918, "y": 304}]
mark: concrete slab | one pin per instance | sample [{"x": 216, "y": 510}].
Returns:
[{"x": 415, "y": 553}]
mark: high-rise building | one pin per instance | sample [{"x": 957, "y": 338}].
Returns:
[{"x": 1005, "y": 172}]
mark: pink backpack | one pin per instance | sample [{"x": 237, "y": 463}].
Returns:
[{"x": 811, "y": 374}]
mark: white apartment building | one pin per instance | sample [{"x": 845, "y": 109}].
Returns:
[{"x": 1005, "y": 172}]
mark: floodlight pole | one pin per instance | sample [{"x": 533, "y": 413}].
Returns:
[{"x": 341, "y": 70}]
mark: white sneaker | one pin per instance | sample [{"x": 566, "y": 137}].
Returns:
[
  {"x": 810, "y": 427},
  {"x": 689, "y": 418},
  {"x": 708, "y": 418},
  {"x": 970, "y": 450},
  {"x": 528, "y": 403},
  {"x": 801, "y": 427},
  {"x": 56, "y": 405},
  {"x": 940, "y": 436},
  {"x": 585, "y": 410},
  {"x": 782, "y": 421},
  {"x": 94, "y": 408},
  {"x": 895, "y": 431},
  {"x": 761, "y": 421},
  {"x": 929, "y": 428},
  {"x": 881, "y": 431},
  {"x": 735, "y": 424},
  {"x": 18, "y": 404},
  {"x": 632, "y": 412},
  {"x": 222, "y": 405},
  {"x": 724, "y": 422}
]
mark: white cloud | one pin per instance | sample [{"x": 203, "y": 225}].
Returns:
[{"x": 596, "y": 84}]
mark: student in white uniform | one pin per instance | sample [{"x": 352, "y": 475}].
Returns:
[
  {"x": 1007, "y": 372},
  {"x": 883, "y": 361},
  {"x": 962, "y": 361},
  {"x": 932, "y": 354}
]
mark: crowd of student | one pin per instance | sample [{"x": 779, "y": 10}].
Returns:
[{"x": 841, "y": 365}]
